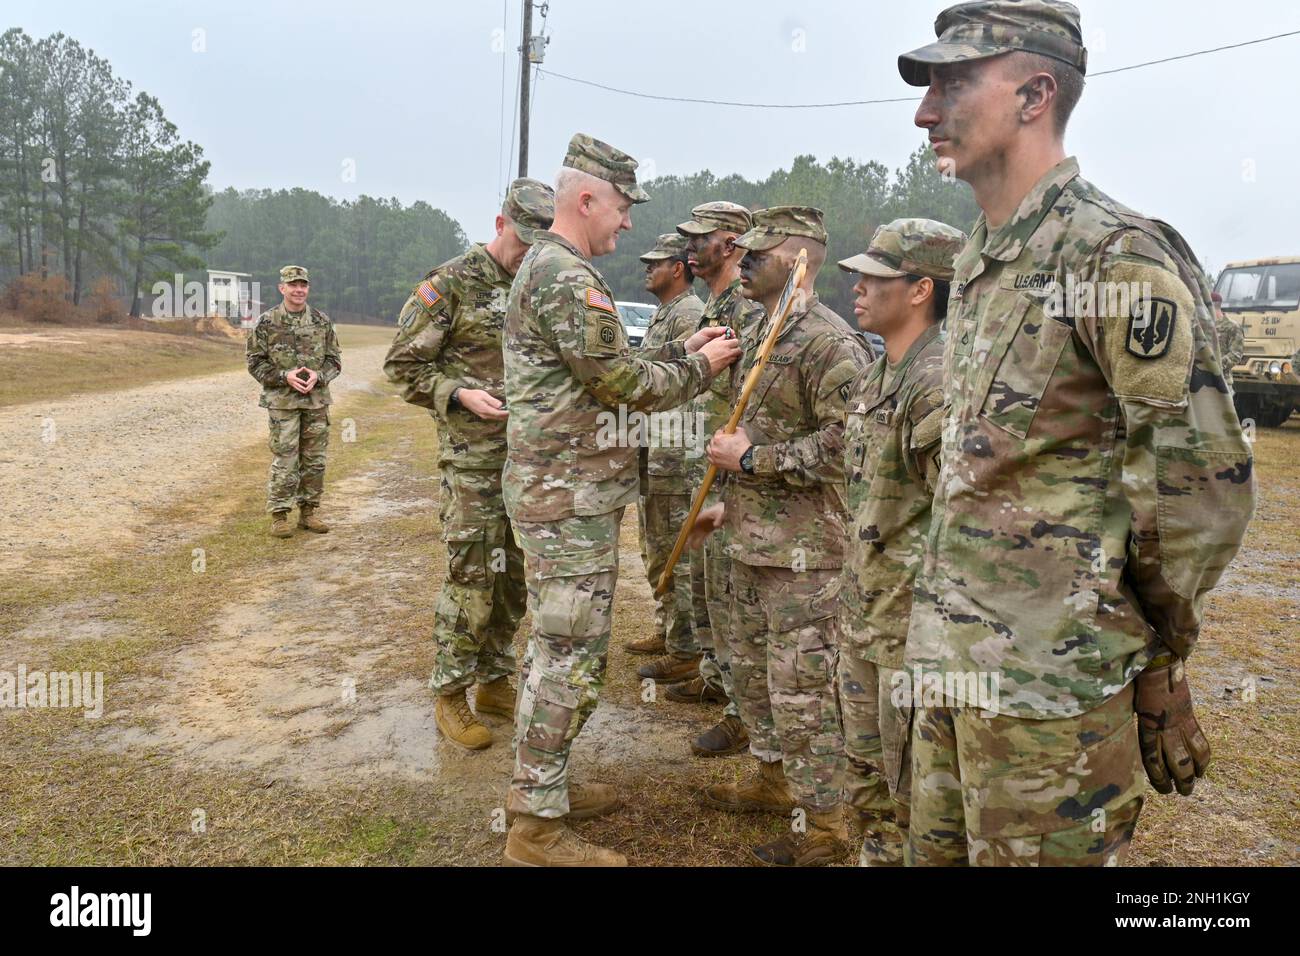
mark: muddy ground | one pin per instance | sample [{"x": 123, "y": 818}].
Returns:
[{"x": 265, "y": 701}]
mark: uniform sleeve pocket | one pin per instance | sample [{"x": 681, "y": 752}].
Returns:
[{"x": 1204, "y": 501}]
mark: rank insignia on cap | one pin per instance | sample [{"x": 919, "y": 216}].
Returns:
[
  {"x": 1151, "y": 327},
  {"x": 598, "y": 300},
  {"x": 427, "y": 294}
]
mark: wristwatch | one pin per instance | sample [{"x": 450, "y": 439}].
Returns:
[
  {"x": 747, "y": 461},
  {"x": 453, "y": 400}
]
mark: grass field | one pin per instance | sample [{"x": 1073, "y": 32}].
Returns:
[{"x": 224, "y": 739}]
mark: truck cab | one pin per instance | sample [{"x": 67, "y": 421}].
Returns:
[{"x": 1263, "y": 297}]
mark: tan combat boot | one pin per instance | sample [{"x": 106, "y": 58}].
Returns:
[
  {"x": 496, "y": 698},
  {"x": 457, "y": 724},
  {"x": 824, "y": 841},
  {"x": 533, "y": 841},
  {"x": 586, "y": 800},
  {"x": 765, "y": 792},
  {"x": 728, "y": 736},
  {"x": 280, "y": 527},
  {"x": 695, "y": 691},
  {"x": 647, "y": 645},
  {"x": 308, "y": 521},
  {"x": 670, "y": 670}
]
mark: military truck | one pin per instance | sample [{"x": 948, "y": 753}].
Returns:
[{"x": 1263, "y": 296}]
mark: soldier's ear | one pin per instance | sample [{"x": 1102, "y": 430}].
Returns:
[{"x": 1038, "y": 92}]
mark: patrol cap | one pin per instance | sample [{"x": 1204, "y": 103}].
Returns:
[
  {"x": 973, "y": 31},
  {"x": 605, "y": 162},
  {"x": 910, "y": 247},
  {"x": 668, "y": 246},
  {"x": 709, "y": 217},
  {"x": 293, "y": 274},
  {"x": 530, "y": 204},
  {"x": 776, "y": 224}
]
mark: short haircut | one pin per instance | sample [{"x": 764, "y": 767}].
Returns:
[
  {"x": 569, "y": 181},
  {"x": 1069, "y": 84},
  {"x": 687, "y": 271},
  {"x": 938, "y": 297}
]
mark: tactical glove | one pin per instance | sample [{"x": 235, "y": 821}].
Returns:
[{"x": 1174, "y": 751}]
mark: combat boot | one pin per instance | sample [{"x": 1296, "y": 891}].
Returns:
[
  {"x": 824, "y": 841},
  {"x": 670, "y": 670},
  {"x": 457, "y": 724},
  {"x": 728, "y": 736},
  {"x": 647, "y": 645},
  {"x": 765, "y": 792},
  {"x": 533, "y": 841},
  {"x": 586, "y": 800},
  {"x": 695, "y": 691},
  {"x": 280, "y": 527},
  {"x": 308, "y": 521},
  {"x": 496, "y": 698}
]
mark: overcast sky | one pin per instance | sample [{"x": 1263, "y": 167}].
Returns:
[{"x": 285, "y": 94}]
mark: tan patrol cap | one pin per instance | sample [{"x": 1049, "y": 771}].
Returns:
[
  {"x": 910, "y": 247},
  {"x": 709, "y": 217},
  {"x": 605, "y": 162},
  {"x": 668, "y": 246},
  {"x": 973, "y": 31},
  {"x": 294, "y": 274},
  {"x": 530, "y": 205},
  {"x": 776, "y": 224}
]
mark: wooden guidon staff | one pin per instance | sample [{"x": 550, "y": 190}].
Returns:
[{"x": 783, "y": 306}]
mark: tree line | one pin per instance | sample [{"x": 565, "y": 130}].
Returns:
[
  {"x": 364, "y": 257},
  {"x": 855, "y": 197},
  {"x": 93, "y": 179},
  {"x": 96, "y": 182}
]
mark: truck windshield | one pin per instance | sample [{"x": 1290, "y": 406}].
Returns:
[{"x": 1261, "y": 287}]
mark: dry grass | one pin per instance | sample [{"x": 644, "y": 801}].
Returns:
[{"x": 43, "y": 363}]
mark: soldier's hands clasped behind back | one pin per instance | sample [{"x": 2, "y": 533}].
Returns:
[{"x": 1174, "y": 750}]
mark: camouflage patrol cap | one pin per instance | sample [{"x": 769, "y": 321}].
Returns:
[
  {"x": 530, "y": 205},
  {"x": 605, "y": 162},
  {"x": 668, "y": 246},
  {"x": 709, "y": 217},
  {"x": 973, "y": 31},
  {"x": 774, "y": 225},
  {"x": 916, "y": 247},
  {"x": 293, "y": 274}
]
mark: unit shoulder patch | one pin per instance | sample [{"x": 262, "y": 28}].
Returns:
[{"x": 1151, "y": 327}]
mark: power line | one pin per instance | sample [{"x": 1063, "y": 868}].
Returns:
[
  {"x": 1186, "y": 56},
  {"x": 896, "y": 99}
]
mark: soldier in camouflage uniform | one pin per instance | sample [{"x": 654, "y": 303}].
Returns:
[
  {"x": 664, "y": 500},
  {"x": 1232, "y": 340},
  {"x": 713, "y": 229},
  {"x": 447, "y": 358},
  {"x": 293, "y": 354},
  {"x": 569, "y": 475},
  {"x": 783, "y": 507},
  {"x": 1095, "y": 481},
  {"x": 891, "y": 444}
]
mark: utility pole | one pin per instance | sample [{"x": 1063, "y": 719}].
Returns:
[
  {"x": 531, "y": 50},
  {"x": 525, "y": 48}
]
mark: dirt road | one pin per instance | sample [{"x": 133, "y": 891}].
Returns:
[{"x": 79, "y": 473}]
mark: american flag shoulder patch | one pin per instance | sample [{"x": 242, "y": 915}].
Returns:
[
  {"x": 598, "y": 300},
  {"x": 428, "y": 294}
]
